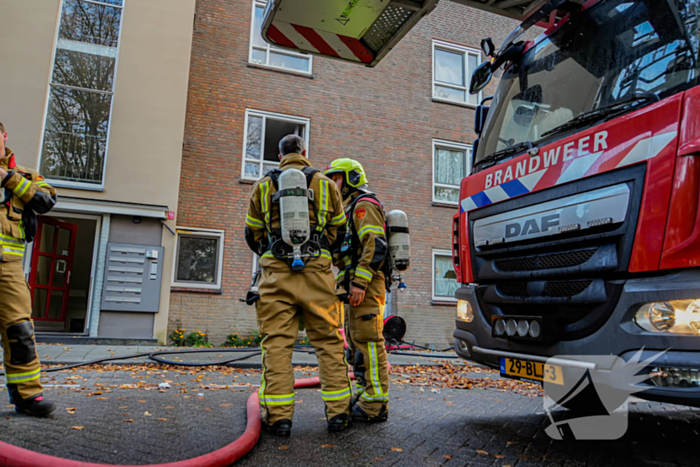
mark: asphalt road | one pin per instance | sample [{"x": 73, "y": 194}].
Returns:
[{"x": 132, "y": 421}]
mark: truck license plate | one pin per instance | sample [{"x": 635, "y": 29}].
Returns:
[{"x": 533, "y": 371}]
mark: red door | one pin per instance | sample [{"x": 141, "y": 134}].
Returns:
[{"x": 52, "y": 262}]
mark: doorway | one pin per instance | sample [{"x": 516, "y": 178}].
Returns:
[{"x": 61, "y": 270}]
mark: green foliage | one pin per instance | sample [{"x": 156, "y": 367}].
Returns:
[
  {"x": 234, "y": 340},
  {"x": 193, "y": 339},
  {"x": 178, "y": 337}
]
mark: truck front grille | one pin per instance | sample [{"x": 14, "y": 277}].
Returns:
[
  {"x": 551, "y": 261},
  {"x": 572, "y": 279}
]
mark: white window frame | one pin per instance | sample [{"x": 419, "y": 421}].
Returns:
[
  {"x": 67, "y": 183},
  {"x": 468, "y": 162},
  {"x": 466, "y": 51},
  {"x": 197, "y": 232},
  {"x": 268, "y": 47},
  {"x": 439, "y": 298},
  {"x": 275, "y": 116}
]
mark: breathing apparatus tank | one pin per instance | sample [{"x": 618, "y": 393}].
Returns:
[
  {"x": 399, "y": 243},
  {"x": 294, "y": 213}
]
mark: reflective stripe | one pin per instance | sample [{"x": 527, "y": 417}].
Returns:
[
  {"x": 22, "y": 188},
  {"x": 374, "y": 369},
  {"x": 326, "y": 254},
  {"x": 253, "y": 222},
  {"x": 322, "y": 206},
  {"x": 21, "y": 229},
  {"x": 374, "y": 398},
  {"x": 336, "y": 395},
  {"x": 363, "y": 273},
  {"x": 347, "y": 260},
  {"x": 22, "y": 377},
  {"x": 268, "y": 255},
  {"x": 5, "y": 239},
  {"x": 341, "y": 274},
  {"x": 339, "y": 219},
  {"x": 285, "y": 399},
  {"x": 12, "y": 252},
  {"x": 261, "y": 391},
  {"x": 264, "y": 191},
  {"x": 371, "y": 228}
]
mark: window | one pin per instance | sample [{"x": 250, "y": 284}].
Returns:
[
  {"x": 262, "y": 53},
  {"x": 198, "y": 258},
  {"x": 74, "y": 148},
  {"x": 263, "y": 132},
  {"x": 451, "y": 163},
  {"x": 444, "y": 277},
  {"x": 453, "y": 66}
]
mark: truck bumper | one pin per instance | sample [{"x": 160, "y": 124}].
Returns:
[{"x": 619, "y": 336}]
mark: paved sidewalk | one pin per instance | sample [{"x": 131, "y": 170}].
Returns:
[{"x": 52, "y": 354}]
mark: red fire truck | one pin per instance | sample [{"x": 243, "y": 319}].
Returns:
[{"x": 578, "y": 231}]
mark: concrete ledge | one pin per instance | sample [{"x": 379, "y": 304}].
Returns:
[{"x": 80, "y": 340}]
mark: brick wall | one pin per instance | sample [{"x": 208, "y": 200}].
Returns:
[{"x": 384, "y": 117}]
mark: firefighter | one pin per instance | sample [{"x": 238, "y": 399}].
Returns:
[
  {"x": 23, "y": 194},
  {"x": 288, "y": 296},
  {"x": 363, "y": 262}
]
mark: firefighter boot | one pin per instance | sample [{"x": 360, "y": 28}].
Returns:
[
  {"x": 35, "y": 405},
  {"x": 282, "y": 428},
  {"x": 339, "y": 423},
  {"x": 359, "y": 415}
]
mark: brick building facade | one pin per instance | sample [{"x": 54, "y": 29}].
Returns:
[{"x": 393, "y": 119}]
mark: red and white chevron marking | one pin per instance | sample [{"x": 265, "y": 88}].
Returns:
[{"x": 313, "y": 40}]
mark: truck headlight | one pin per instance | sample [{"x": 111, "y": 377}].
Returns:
[
  {"x": 465, "y": 312},
  {"x": 674, "y": 316}
]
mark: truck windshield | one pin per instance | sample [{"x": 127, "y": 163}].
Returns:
[{"x": 605, "y": 54}]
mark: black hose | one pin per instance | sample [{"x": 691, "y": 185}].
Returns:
[
  {"x": 154, "y": 356},
  {"x": 410, "y": 354}
]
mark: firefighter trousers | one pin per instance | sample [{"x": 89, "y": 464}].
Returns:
[
  {"x": 21, "y": 363},
  {"x": 285, "y": 297},
  {"x": 365, "y": 326}
]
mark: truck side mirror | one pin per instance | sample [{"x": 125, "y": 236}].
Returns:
[
  {"x": 475, "y": 147},
  {"x": 481, "y": 77},
  {"x": 482, "y": 111}
]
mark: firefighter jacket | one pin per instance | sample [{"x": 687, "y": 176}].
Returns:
[
  {"x": 369, "y": 246},
  {"x": 326, "y": 216},
  {"x": 22, "y": 189}
]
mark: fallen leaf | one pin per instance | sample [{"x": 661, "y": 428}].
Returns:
[
  {"x": 129, "y": 420},
  {"x": 447, "y": 457},
  {"x": 511, "y": 442},
  {"x": 161, "y": 419},
  {"x": 142, "y": 402},
  {"x": 327, "y": 446},
  {"x": 397, "y": 449},
  {"x": 103, "y": 398},
  {"x": 170, "y": 407},
  {"x": 226, "y": 405},
  {"x": 11, "y": 406},
  {"x": 124, "y": 407},
  {"x": 78, "y": 427},
  {"x": 147, "y": 414},
  {"x": 500, "y": 456},
  {"x": 482, "y": 452},
  {"x": 284, "y": 447}
]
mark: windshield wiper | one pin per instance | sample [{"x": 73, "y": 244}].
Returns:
[
  {"x": 603, "y": 112},
  {"x": 503, "y": 153}
]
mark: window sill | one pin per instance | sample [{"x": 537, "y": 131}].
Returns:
[
  {"x": 443, "y": 303},
  {"x": 75, "y": 185},
  {"x": 458, "y": 104},
  {"x": 445, "y": 205},
  {"x": 245, "y": 181},
  {"x": 196, "y": 290},
  {"x": 281, "y": 70}
]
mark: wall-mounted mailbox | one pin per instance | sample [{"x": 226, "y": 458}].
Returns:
[{"x": 133, "y": 276}]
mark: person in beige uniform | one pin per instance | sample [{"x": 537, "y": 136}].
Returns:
[
  {"x": 23, "y": 194},
  {"x": 363, "y": 260},
  {"x": 287, "y": 296}
]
